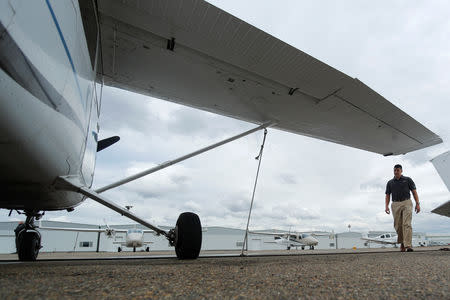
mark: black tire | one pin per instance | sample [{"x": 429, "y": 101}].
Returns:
[
  {"x": 189, "y": 236},
  {"x": 134, "y": 249},
  {"x": 28, "y": 246},
  {"x": 119, "y": 249},
  {"x": 147, "y": 249},
  {"x": 303, "y": 247},
  {"x": 312, "y": 247}
]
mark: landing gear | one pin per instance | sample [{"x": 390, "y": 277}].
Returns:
[
  {"x": 28, "y": 239},
  {"x": 288, "y": 248},
  {"x": 119, "y": 249},
  {"x": 303, "y": 247},
  {"x": 311, "y": 247},
  {"x": 147, "y": 249},
  {"x": 134, "y": 249},
  {"x": 187, "y": 236}
]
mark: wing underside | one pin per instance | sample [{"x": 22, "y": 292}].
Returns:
[{"x": 195, "y": 54}]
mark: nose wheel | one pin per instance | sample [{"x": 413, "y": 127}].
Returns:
[{"x": 187, "y": 236}]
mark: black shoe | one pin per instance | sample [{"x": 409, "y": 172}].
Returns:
[{"x": 409, "y": 250}]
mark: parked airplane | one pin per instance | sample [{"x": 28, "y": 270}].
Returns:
[
  {"x": 385, "y": 238},
  {"x": 390, "y": 239},
  {"x": 293, "y": 239},
  {"x": 55, "y": 56},
  {"x": 134, "y": 237},
  {"x": 442, "y": 165}
]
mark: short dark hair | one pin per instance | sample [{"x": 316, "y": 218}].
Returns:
[{"x": 397, "y": 166}]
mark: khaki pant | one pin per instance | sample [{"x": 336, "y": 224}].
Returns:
[{"x": 402, "y": 213}]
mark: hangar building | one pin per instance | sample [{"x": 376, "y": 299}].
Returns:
[{"x": 214, "y": 238}]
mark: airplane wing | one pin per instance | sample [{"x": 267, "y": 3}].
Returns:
[
  {"x": 442, "y": 165},
  {"x": 79, "y": 229},
  {"x": 193, "y": 53},
  {"x": 271, "y": 233},
  {"x": 72, "y": 229},
  {"x": 443, "y": 209},
  {"x": 379, "y": 241}
]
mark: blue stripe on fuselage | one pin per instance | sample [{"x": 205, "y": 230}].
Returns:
[{"x": 65, "y": 48}]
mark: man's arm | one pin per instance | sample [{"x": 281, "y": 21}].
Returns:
[
  {"x": 388, "y": 198},
  {"x": 416, "y": 198}
]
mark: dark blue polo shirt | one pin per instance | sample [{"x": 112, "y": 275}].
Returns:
[{"x": 399, "y": 188}]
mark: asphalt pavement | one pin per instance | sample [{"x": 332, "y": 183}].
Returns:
[{"x": 367, "y": 275}]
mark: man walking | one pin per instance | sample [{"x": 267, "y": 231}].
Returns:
[{"x": 399, "y": 187}]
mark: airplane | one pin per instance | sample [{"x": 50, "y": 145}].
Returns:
[
  {"x": 295, "y": 239},
  {"x": 56, "y": 56},
  {"x": 385, "y": 238},
  {"x": 134, "y": 237},
  {"x": 442, "y": 164},
  {"x": 390, "y": 239}
]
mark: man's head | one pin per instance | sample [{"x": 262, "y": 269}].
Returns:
[{"x": 398, "y": 171}]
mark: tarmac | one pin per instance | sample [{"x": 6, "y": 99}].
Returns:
[{"x": 318, "y": 274}]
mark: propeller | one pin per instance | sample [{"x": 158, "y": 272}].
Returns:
[{"x": 109, "y": 232}]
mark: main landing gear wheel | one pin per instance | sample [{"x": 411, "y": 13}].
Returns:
[
  {"x": 303, "y": 247},
  {"x": 28, "y": 245},
  {"x": 188, "y": 236},
  {"x": 28, "y": 239}
]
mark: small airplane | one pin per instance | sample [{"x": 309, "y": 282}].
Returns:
[
  {"x": 390, "y": 239},
  {"x": 385, "y": 238},
  {"x": 134, "y": 237},
  {"x": 295, "y": 239},
  {"x": 56, "y": 56},
  {"x": 442, "y": 165}
]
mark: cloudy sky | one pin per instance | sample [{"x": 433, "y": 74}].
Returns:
[{"x": 400, "y": 50}]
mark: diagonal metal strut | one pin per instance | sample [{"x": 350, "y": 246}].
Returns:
[
  {"x": 177, "y": 160},
  {"x": 259, "y": 158}
]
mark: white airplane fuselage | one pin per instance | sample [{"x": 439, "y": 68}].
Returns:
[
  {"x": 49, "y": 106},
  {"x": 134, "y": 239}
]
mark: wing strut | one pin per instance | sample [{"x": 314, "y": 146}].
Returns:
[
  {"x": 184, "y": 157},
  {"x": 259, "y": 158},
  {"x": 73, "y": 183}
]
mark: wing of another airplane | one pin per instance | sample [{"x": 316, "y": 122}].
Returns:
[
  {"x": 442, "y": 165},
  {"x": 443, "y": 209},
  {"x": 271, "y": 233},
  {"x": 80, "y": 229},
  {"x": 196, "y": 54},
  {"x": 378, "y": 241}
]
